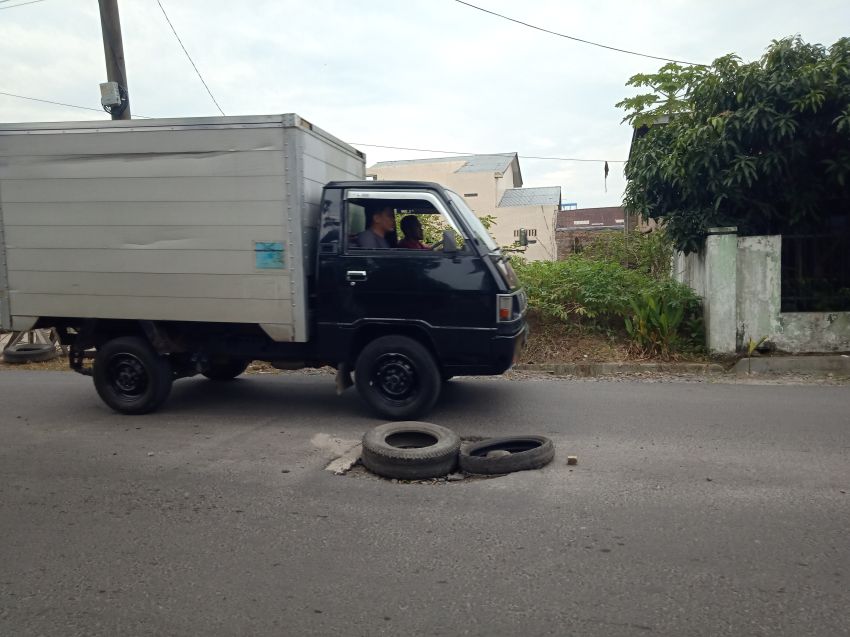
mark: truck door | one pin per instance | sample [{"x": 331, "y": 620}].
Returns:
[{"x": 448, "y": 296}]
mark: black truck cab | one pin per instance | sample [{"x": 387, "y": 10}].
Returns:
[{"x": 404, "y": 319}]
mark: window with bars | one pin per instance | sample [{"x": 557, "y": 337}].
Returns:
[{"x": 816, "y": 270}]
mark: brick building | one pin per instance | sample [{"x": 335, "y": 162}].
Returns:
[{"x": 575, "y": 228}]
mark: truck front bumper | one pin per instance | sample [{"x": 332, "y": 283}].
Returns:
[{"x": 506, "y": 350}]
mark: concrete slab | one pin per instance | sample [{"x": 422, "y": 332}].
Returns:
[
  {"x": 837, "y": 364},
  {"x": 590, "y": 370}
]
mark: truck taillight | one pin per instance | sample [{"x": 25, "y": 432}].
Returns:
[{"x": 506, "y": 307}]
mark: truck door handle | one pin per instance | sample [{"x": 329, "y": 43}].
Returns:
[{"x": 355, "y": 275}]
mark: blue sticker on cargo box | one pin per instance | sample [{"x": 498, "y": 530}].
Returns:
[{"x": 268, "y": 255}]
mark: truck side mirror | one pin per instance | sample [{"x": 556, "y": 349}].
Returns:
[{"x": 449, "y": 241}]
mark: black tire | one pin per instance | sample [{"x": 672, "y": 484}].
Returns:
[
  {"x": 131, "y": 377},
  {"x": 410, "y": 450},
  {"x": 225, "y": 368},
  {"x": 30, "y": 353},
  {"x": 397, "y": 377},
  {"x": 526, "y": 452}
]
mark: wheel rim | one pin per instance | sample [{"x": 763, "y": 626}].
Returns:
[
  {"x": 395, "y": 377},
  {"x": 127, "y": 376}
]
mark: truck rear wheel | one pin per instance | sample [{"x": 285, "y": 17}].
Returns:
[
  {"x": 398, "y": 377},
  {"x": 225, "y": 368},
  {"x": 131, "y": 377}
]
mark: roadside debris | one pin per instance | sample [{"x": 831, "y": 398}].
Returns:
[
  {"x": 343, "y": 464},
  {"x": 506, "y": 455},
  {"x": 410, "y": 450},
  {"x": 413, "y": 451}
]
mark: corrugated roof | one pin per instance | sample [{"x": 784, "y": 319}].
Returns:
[
  {"x": 486, "y": 164},
  {"x": 472, "y": 163},
  {"x": 546, "y": 196},
  {"x": 591, "y": 218}
]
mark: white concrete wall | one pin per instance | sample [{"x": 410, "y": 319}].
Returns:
[
  {"x": 759, "y": 288},
  {"x": 813, "y": 332},
  {"x": 721, "y": 258},
  {"x": 690, "y": 270},
  {"x": 739, "y": 279}
]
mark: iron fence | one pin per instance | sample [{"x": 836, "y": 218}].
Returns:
[{"x": 816, "y": 272}]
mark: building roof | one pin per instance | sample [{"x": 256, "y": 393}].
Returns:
[
  {"x": 500, "y": 162},
  {"x": 547, "y": 196},
  {"x": 486, "y": 163},
  {"x": 591, "y": 218},
  {"x": 472, "y": 163}
]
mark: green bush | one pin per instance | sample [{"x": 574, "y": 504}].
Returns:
[
  {"x": 654, "y": 325},
  {"x": 602, "y": 294},
  {"x": 649, "y": 253},
  {"x": 578, "y": 289}
]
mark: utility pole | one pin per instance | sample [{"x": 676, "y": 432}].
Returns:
[{"x": 113, "y": 50}]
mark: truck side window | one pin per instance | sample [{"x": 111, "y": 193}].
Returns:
[
  {"x": 356, "y": 222},
  {"x": 389, "y": 235},
  {"x": 371, "y": 224}
]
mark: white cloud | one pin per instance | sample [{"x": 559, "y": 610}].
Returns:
[{"x": 423, "y": 73}]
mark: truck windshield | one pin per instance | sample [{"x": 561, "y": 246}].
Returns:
[{"x": 474, "y": 223}]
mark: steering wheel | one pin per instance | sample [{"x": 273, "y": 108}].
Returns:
[{"x": 437, "y": 245}]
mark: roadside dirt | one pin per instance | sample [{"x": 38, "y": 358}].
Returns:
[
  {"x": 555, "y": 342},
  {"x": 260, "y": 368}
]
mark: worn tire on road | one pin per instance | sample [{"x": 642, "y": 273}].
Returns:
[
  {"x": 410, "y": 450},
  {"x": 30, "y": 353},
  {"x": 526, "y": 452}
]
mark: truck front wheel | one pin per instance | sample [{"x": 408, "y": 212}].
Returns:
[
  {"x": 398, "y": 377},
  {"x": 131, "y": 377}
]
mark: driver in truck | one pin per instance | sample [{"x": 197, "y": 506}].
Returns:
[{"x": 380, "y": 229}]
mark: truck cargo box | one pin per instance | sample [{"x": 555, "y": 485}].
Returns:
[{"x": 201, "y": 219}]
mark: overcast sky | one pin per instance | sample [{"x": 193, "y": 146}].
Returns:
[{"x": 430, "y": 74}]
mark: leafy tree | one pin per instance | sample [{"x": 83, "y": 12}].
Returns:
[
  {"x": 763, "y": 146},
  {"x": 671, "y": 90}
]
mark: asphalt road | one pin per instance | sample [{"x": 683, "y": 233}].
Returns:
[{"x": 695, "y": 509}]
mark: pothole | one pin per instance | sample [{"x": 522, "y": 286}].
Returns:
[
  {"x": 358, "y": 471},
  {"x": 349, "y": 464}
]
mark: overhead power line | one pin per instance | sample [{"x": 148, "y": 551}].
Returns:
[
  {"x": 457, "y": 152},
  {"x": 575, "y": 39},
  {"x": 15, "y": 6},
  {"x": 174, "y": 31},
  {"x": 85, "y": 108},
  {"x": 418, "y": 150}
]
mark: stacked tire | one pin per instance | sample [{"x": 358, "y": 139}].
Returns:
[
  {"x": 414, "y": 450},
  {"x": 410, "y": 450},
  {"x": 29, "y": 353}
]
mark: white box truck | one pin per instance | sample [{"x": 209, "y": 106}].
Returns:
[{"x": 166, "y": 248}]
